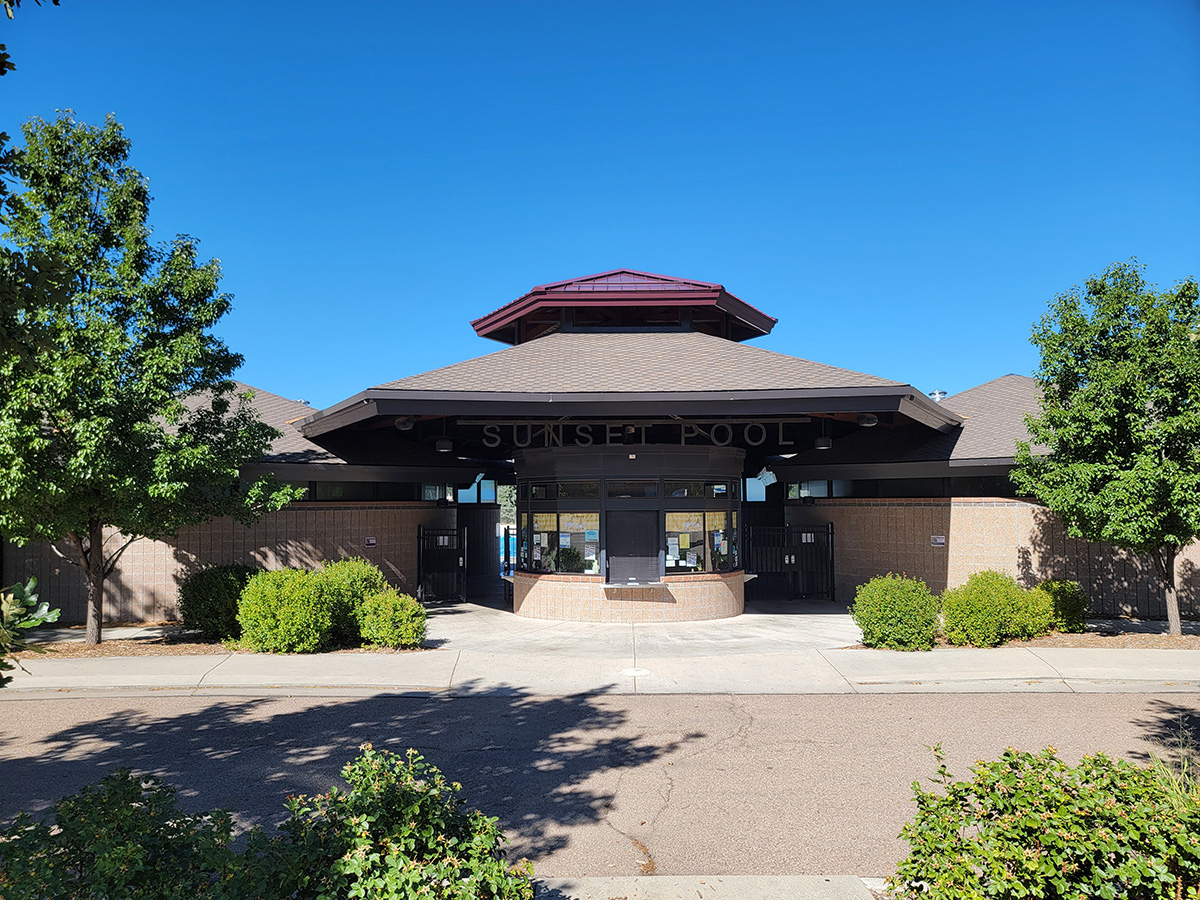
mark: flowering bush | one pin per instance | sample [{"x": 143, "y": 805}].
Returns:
[{"x": 1030, "y": 825}]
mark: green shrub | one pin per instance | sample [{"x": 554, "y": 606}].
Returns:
[
  {"x": 1070, "y": 604},
  {"x": 20, "y": 610},
  {"x": 126, "y": 838},
  {"x": 208, "y": 600},
  {"x": 896, "y": 612},
  {"x": 344, "y": 585},
  {"x": 390, "y": 619},
  {"x": 992, "y": 608},
  {"x": 397, "y": 833},
  {"x": 279, "y": 613},
  {"x": 1030, "y": 825}
]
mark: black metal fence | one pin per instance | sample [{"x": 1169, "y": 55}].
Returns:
[{"x": 798, "y": 561}]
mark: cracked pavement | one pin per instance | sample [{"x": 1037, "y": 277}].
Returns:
[{"x": 595, "y": 784}]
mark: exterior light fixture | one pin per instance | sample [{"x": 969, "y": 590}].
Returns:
[
  {"x": 444, "y": 445},
  {"x": 823, "y": 443},
  {"x": 868, "y": 420},
  {"x": 766, "y": 476},
  {"x": 405, "y": 424}
]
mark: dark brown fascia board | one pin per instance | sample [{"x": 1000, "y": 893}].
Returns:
[
  {"x": 349, "y": 472},
  {"x": 938, "y": 468},
  {"x": 384, "y": 402},
  {"x": 488, "y": 325}
]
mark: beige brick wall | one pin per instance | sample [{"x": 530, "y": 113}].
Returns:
[
  {"x": 145, "y": 583},
  {"x": 585, "y": 598},
  {"x": 873, "y": 537}
]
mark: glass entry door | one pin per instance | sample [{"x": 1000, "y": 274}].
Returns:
[{"x": 633, "y": 546}]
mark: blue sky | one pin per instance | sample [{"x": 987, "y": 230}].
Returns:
[{"x": 903, "y": 185}]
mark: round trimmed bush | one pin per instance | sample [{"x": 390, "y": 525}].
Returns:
[
  {"x": 344, "y": 585},
  {"x": 1070, "y": 604},
  {"x": 280, "y": 614},
  {"x": 896, "y": 612},
  {"x": 992, "y": 608},
  {"x": 391, "y": 619},
  {"x": 208, "y": 600}
]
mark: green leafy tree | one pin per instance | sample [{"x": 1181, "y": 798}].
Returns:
[
  {"x": 118, "y": 415},
  {"x": 1120, "y": 416}
]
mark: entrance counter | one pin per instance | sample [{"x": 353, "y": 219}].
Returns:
[{"x": 587, "y": 598}]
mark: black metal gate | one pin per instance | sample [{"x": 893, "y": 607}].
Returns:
[
  {"x": 441, "y": 563},
  {"x": 800, "y": 559}
]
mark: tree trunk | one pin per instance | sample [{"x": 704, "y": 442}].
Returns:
[
  {"x": 93, "y": 566},
  {"x": 1166, "y": 570}
]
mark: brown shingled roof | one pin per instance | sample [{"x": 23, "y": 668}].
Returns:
[
  {"x": 286, "y": 415},
  {"x": 585, "y": 362},
  {"x": 994, "y": 416}
]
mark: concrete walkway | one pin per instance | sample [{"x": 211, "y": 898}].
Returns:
[{"x": 787, "y": 648}]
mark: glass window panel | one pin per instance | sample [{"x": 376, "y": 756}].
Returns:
[
  {"x": 398, "y": 490},
  {"x": 843, "y": 489},
  {"x": 545, "y": 541},
  {"x": 487, "y": 491},
  {"x": 793, "y": 491},
  {"x": 433, "y": 492},
  {"x": 716, "y": 524},
  {"x": 632, "y": 488},
  {"x": 814, "y": 489},
  {"x": 578, "y": 543},
  {"x": 542, "y": 491},
  {"x": 343, "y": 490},
  {"x": 736, "y": 558},
  {"x": 578, "y": 490},
  {"x": 469, "y": 494},
  {"x": 523, "y": 490},
  {"x": 524, "y": 541},
  {"x": 677, "y": 489},
  {"x": 685, "y": 542},
  {"x": 717, "y": 490}
]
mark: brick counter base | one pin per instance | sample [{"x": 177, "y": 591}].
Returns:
[{"x": 586, "y": 598}]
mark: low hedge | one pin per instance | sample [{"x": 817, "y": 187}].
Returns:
[
  {"x": 1029, "y": 825},
  {"x": 340, "y": 605},
  {"x": 1070, "y": 604},
  {"x": 390, "y": 619},
  {"x": 208, "y": 600},
  {"x": 992, "y": 608},
  {"x": 896, "y": 612},
  {"x": 280, "y": 613}
]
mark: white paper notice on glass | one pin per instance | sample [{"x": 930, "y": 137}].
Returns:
[
  {"x": 564, "y": 539},
  {"x": 725, "y": 546},
  {"x": 670, "y": 562},
  {"x": 691, "y": 559},
  {"x": 673, "y": 548}
]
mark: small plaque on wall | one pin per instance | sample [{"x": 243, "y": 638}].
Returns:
[
  {"x": 937, "y": 540},
  {"x": 370, "y": 542}
]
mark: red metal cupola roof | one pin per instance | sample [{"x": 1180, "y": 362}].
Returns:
[{"x": 624, "y": 299}]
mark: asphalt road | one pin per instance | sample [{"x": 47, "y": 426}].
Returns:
[{"x": 591, "y": 785}]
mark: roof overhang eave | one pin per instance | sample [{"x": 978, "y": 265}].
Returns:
[{"x": 390, "y": 402}]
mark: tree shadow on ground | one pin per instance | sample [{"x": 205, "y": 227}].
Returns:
[
  {"x": 1171, "y": 729},
  {"x": 541, "y": 764}
]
